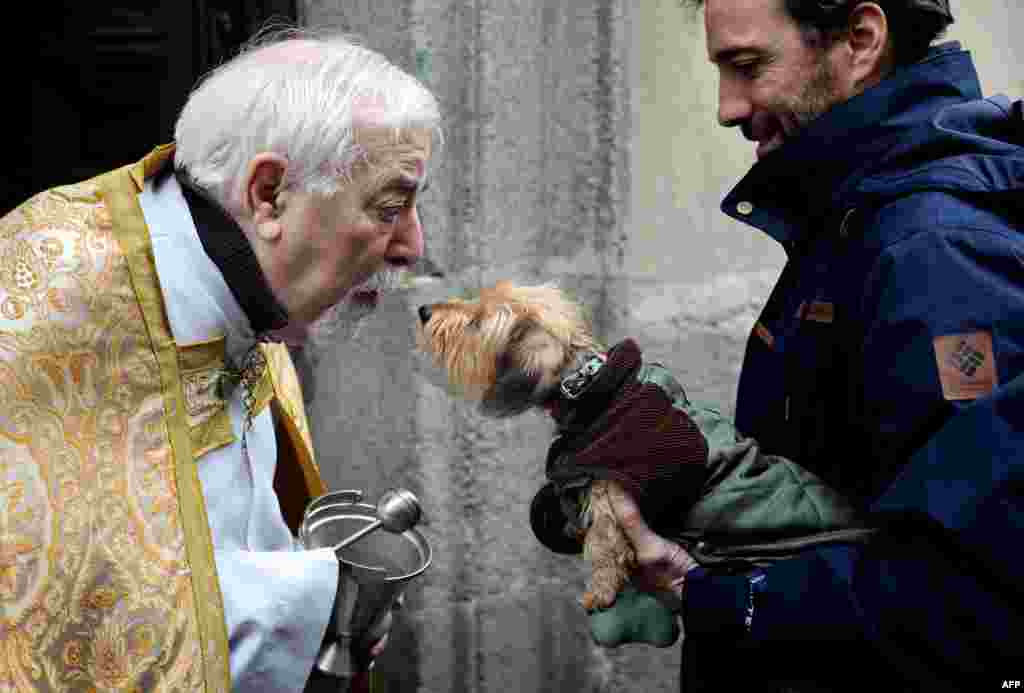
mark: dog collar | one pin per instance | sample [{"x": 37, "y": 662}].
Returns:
[
  {"x": 576, "y": 383},
  {"x": 581, "y": 375},
  {"x": 589, "y": 384}
]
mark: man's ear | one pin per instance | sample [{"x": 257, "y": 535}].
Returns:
[
  {"x": 261, "y": 193},
  {"x": 871, "y": 50}
]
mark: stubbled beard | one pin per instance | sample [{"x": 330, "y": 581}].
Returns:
[
  {"x": 817, "y": 97},
  {"x": 343, "y": 321}
]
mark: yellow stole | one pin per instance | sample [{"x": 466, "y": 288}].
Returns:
[{"x": 107, "y": 577}]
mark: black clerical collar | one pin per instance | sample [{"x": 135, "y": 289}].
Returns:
[{"x": 226, "y": 244}]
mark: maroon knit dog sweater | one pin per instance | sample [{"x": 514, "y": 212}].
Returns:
[{"x": 628, "y": 431}]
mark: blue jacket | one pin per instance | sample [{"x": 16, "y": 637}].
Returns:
[{"x": 888, "y": 360}]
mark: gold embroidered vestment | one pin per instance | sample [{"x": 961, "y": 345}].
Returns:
[{"x": 107, "y": 577}]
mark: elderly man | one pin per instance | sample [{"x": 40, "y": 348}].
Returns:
[
  {"x": 887, "y": 360},
  {"x": 155, "y": 458}
]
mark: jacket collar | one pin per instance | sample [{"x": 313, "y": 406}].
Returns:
[{"x": 810, "y": 180}]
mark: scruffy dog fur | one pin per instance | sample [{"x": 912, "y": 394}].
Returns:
[{"x": 509, "y": 349}]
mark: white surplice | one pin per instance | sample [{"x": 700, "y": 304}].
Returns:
[{"x": 277, "y": 598}]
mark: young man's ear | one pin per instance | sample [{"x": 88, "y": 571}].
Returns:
[
  {"x": 260, "y": 193},
  {"x": 871, "y": 54}
]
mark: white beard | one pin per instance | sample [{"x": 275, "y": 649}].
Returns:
[{"x": 342, "y": 321}]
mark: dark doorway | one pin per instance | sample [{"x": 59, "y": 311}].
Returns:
[{"x": 105, "y": 81}]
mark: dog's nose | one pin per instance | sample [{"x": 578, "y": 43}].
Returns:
[{"x": 424, "y": 314}]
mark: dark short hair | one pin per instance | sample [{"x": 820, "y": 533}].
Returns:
[{"x": 913, "y": 24}]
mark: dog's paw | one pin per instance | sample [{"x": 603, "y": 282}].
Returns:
[
  {"x": 597, "y": 601},
  {"x": 605, "y": 586}
]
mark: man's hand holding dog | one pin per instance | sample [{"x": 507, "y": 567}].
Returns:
[
  {"x": 646, "y": 609},
  {"x": 662, "y": 565}
]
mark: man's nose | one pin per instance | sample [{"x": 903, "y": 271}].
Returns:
[
  {"x": 425, "y": 313},
  {"x": 733, "y": 105},
  {"x": 407, "y": 243}
]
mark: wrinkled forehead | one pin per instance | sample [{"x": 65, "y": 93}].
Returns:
[{"x": 401, "y": 151}]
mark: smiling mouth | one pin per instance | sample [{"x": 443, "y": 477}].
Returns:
[{"x": 768, "y": 131}]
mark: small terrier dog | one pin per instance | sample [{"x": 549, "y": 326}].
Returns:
[{"x": 520, "y": 347}]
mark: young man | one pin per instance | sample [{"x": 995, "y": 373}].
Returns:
[
  {"x": 888, "y": 359},
  {"x": 155, "y": 455}
]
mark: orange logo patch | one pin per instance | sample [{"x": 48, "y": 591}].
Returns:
[
  {"x": 967, "y": 365},
  {"x": 816, "y": 311}
]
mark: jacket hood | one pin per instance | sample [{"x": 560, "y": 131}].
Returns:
[{"x": 924, "y": 127}]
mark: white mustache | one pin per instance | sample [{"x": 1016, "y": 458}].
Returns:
[
  {"x": 383, "y": 281},
  {"x": 343, "y": 318}
]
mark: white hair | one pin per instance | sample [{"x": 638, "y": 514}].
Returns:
[{"x": 295, "y": 92}]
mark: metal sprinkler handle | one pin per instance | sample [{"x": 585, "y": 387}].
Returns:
[{"x": 397, "y": 512}]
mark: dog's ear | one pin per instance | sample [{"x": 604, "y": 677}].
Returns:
[
  {"x": 525, "y": 371},
  {"x": 536, "y": 350}
]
